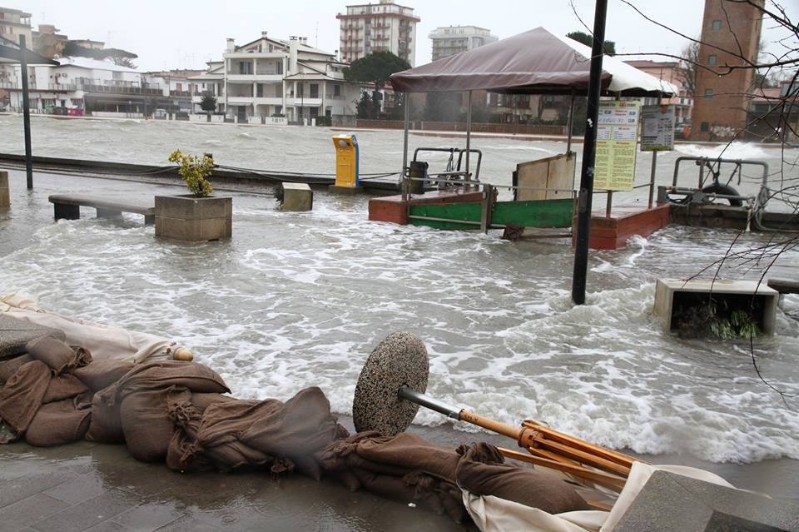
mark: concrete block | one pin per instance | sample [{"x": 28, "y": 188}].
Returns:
[
  {"x": 193, "y": 219},
  {"x": 670, "y": 502},
  {"x": 674, "y": 295},
  {"x": 5, "y": 195},
  {"x": 296, "y": 197}
]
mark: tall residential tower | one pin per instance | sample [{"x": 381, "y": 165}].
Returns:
[{"x": 368, "y": 28}]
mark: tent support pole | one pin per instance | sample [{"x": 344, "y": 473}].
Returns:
[
  {"x": 589, "y": 156},
  {"x": 404, "y": 174},
  {"x": 468, "y": 135},
  {"x": 570, "y": 124}
]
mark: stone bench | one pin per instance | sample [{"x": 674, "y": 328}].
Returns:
[
  {"x": 67, "y": 206},
  {"x": 784, "y": 286}
]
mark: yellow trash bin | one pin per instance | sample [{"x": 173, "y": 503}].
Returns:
[{"x": 346, "y": 161}]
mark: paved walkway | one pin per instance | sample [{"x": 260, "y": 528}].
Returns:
[{"x": 99, "y": 487}]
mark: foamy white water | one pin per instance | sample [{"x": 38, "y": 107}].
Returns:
[{"x": 301, "y": 299}]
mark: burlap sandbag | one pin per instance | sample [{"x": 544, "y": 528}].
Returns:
[
  {"x": 64, "y": 386},
  {"x": 57, "y": 354},
  {"x": 482, "y": 471},
  {"x": 296, "y": 429},
  {"x": 193, "y": 376},
  {"x": 403, "y": 467},
  {"x": 22, "y": 395},
  {"x": 106, "y": 422},
  {"x": 103, "y": 373},
  {"x": 146, "y": 423},
  {"x": 60, "y": 422},
  {"x": 218, "y": 434},
  {"x": 9, "y": 367}
]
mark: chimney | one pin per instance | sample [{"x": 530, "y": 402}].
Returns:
[
  {"x": 263, "y": 34},
  {"x": 293, "y": 44},
  {"x": 231, "y": 45}
]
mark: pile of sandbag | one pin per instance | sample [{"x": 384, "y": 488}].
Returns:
[{"x": 180, "y": 413}]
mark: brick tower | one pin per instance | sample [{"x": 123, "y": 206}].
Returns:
[{"x": 730, "y": 38}]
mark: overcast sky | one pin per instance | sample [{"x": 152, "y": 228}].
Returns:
[{"x": 169, "y": 35}]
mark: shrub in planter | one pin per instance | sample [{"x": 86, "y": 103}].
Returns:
[{"x": 195, "y": 171}]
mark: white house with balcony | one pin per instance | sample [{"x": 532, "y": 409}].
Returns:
[
  {"x": 80, "y": 85},
  {"x": 271, "y": 80}
]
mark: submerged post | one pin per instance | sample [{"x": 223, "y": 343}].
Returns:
[
  {"x": 589, "y": 156},
  {"x": 26, "y": 112}
]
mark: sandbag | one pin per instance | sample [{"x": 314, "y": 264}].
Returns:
[
  {"x": 403, "y": 467},
  {"x": 100, "y": 374},
  {"x": 159, "y": 375},
  {"x": 60, "y": 422},
  {"x": 9, "y": 367},
  {"x": 57, "y": 354},
  {"x": 22, "y": 395},
  {"x": 146, "y": 424},
  {"x": 64, "y": 386},
  {"x": 482, "y": 471},
  {"x": 218, "y": 434},
  {"x": 106, "y": 422}
]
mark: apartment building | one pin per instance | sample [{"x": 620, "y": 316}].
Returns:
[
  {"x": 14, "y": 23},
  {"x": 285, "y": 79},
  {"x": 453, "y": 40},
  {"x": 672, "y": 72},
  {"x": 385, "y": 26},
  {"x": 730, "y": 38}
]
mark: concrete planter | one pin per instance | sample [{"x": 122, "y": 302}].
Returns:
[
  {"x": 193, "y": 219},
  {"x": 675, "y": 296}
]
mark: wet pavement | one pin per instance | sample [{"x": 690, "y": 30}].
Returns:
[{"x": 100, "y": 487}]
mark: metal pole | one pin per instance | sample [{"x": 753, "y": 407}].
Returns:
[
  {"x": 654, "y": 165},
  {"x": 26, "y": 112},
  {"x": 570, "y": 123},
  {"x": 589, "y": 157},
  {"x": 404, "y": 185},
  {"x": 468, "y": 134}
]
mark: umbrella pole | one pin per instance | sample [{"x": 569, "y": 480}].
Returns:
[{"x": 569, "y": 125}]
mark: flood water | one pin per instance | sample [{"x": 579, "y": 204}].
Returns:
[{"x": 301, "y": 299}]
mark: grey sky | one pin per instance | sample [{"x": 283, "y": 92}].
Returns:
[{"x": 168, "y": 35}]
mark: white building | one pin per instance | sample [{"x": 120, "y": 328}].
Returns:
[
  {"x": 456, "y": 39},
  {"x": 271, "y": 78},
  {"x": 14, "y": 23},
  {"x": 369, "y": 28},
  {"x": 83, "y": 86}
]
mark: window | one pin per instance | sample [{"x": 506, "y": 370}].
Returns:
[
  {"x": 711, "y": 60},
  {"x": 708, "y": 93},
  {"x": 715, "y": 25},
  {"x": 336, "y": 91},
  {"x": 314, "y": 90},
  {"x": 705, "y": 127},
  {"x": 245, "y": 67}
]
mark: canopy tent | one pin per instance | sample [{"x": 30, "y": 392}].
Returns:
[{"x": 533, "y": 62}]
